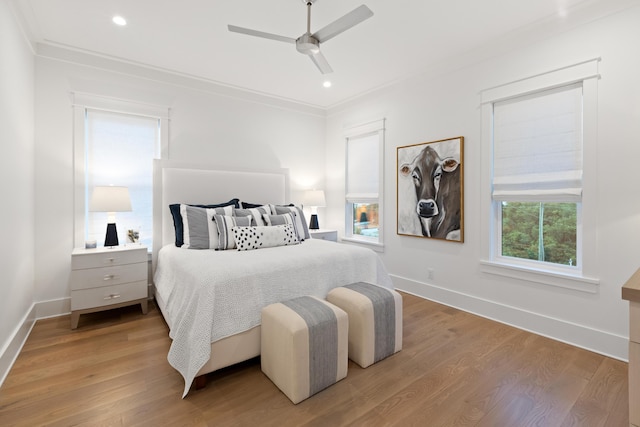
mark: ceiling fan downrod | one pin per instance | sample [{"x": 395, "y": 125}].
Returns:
[{"x": 306, "y": 43}]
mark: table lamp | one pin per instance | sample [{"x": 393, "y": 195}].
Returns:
[
  {"x": 314, "y": 199},
  {"x": 110, "y": 199}
]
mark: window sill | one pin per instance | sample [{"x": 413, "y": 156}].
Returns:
[
  {"x": 551, "y": 278},
  {"x": 376, "y": 246}
]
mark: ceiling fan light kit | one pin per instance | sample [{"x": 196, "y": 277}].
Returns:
[{"x": 308, "y": 43}]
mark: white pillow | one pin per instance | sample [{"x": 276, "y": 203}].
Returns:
[{"x": 258, "y": 237}]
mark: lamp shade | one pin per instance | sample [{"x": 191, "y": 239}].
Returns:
[
  {"x": 110, "y": 199},
  {"x": 314, "y": 198}
]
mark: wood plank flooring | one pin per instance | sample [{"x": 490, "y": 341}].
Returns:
[{"x": 455, "y": 369}]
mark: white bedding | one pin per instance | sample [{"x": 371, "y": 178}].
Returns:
[{"x": 210, "y": 295}]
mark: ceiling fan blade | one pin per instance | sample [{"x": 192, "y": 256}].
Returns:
[
  {"x": 262, "y": 34},
  {"x": 321, "y": 63},
  {"x": 340, "y": 25}
]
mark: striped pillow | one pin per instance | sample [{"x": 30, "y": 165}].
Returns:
[
  {"x": 301, "y": 222},
  {"x": 177, "y": 218},
  {"x": 255, "y": 213},
  {"x": 287, "y": 218},
  {"x": 199, "y": 232},
  {"x": 225, "y": 224}
]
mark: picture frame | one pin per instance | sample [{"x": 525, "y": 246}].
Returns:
[{"x": 430, "y": 190}]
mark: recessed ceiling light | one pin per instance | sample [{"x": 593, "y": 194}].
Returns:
[
  {"x": 119, "y": 20},
  {"x": 327, "y": 83}
]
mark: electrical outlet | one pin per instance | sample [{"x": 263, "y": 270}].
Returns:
[{"x": 430, "y": 273}]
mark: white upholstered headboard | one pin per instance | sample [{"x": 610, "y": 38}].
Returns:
[{"x": 180, "y": 182}]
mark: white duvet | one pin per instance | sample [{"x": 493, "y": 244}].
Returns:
[{"x": 210, "y": 295}]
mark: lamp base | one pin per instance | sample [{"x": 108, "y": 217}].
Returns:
[
  {"x": 111, "y": 238},
  {"x": 313, "y": 223}
]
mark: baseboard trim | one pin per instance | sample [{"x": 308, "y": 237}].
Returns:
[
  {"x": 13, "y": 347},
  {"x": 601, "y": 342},
  {"x": 53, "y": 308}
]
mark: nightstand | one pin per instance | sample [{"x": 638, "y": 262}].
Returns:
[
  {"x": 324, "y": 234},
  {"x": 106, "y": 278}
]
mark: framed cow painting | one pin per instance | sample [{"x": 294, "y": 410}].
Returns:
[{"x": 430, "y": 190}]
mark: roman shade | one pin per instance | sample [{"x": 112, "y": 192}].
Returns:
[{"x": 537, "y": 151}]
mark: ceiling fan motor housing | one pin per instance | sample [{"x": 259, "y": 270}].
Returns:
[{"x": 307, "y": 44}]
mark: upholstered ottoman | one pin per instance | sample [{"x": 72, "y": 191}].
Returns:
[
  {"x": 375, "y": 320},
  {"x": 304, "y": 346}
]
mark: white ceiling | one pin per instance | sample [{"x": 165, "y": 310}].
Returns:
[{"x": 402, "y": 39}]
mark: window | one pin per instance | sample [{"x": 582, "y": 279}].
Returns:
[
  {"x": 539, "y": 136},
  {"x": 537, "y": 160},
  {"x": 115, "y": 143},
  {"x": 540, "y": 231},
  {"x": 119, "y": 149},
  {"x": 364, "y": 166}
]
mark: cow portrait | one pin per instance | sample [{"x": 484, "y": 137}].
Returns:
[{"x": 430, "y": 190}]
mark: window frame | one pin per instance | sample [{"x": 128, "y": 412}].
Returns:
[
  {"x": 584, "y": 277},
  {"x": 81, "y": 103},
  {"x": 376, "y": 127}
]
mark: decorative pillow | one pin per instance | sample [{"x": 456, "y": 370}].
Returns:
[
  {"x": 248, "y": 238},
  {"x": 301, "y": 222},
  {"x": 246, "y": 205},
  {"x": 225, "y": 224},
  {"x": 199, "y": 230},
  {"x": 287, "y": 218},
  {"x": 177, "y": 218},
  {"x": 255, "y": 213}
]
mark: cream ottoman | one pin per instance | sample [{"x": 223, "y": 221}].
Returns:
[
  {"x": 375, "y": 320},
  {"x": 304, "y": 346}
]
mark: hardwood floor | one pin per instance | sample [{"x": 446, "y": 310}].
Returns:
[{"x": 455, "y": 369}]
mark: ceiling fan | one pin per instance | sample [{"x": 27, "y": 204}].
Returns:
[{"x": 308, "y": 43}]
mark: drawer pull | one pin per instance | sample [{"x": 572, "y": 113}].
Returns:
[
  {"x": 112, "y": 296},
  {"x": 109, "y": 277}
]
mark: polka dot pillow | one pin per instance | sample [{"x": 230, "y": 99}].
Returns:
[{"x": 258, "y": 237}]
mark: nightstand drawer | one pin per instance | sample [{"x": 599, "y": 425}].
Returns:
[
  {"x": 91, "y": 258},
  {"x": 108, "y": 295},
  {"x": 108, "y": 276}
]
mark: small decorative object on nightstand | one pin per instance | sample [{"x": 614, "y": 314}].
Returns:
[
  {"x": 324, "y": 234},
  {"x": 106, "y": 278}
]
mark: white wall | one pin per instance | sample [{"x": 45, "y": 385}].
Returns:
[
  {"x": 432, "y": 107},
  {"x": 219, "y": 125},
  {"x": 208, "y": 124},
  {"x": 16, "y": 186}
]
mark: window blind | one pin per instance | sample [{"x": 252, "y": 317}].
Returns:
[
  {"x": 537, "y": 151},
  {"x": 363, "y": 163}
]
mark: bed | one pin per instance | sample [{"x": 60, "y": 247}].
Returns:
[{"x": 212, "y": 299}]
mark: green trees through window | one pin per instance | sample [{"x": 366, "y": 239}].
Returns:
[{"x": 540, "y": 231}]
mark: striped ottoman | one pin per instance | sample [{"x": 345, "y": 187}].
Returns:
[
  {"x": 375, "y": 320},
  {"x": 304, "y": 346}
]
